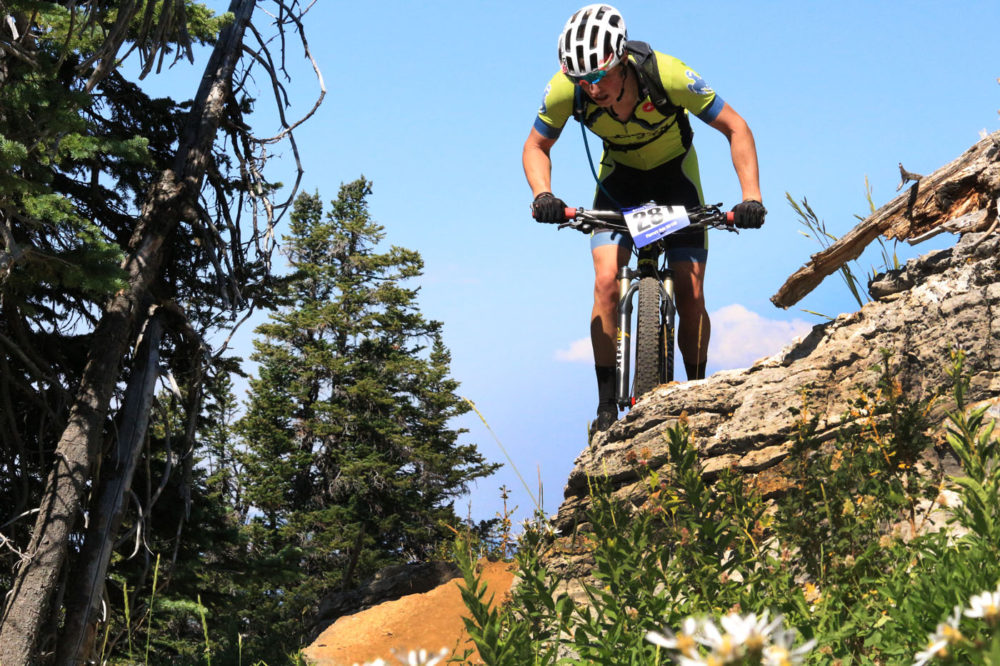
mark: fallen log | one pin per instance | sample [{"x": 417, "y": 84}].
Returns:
[{"x": 960, "y": 197}]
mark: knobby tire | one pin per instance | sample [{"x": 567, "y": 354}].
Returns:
[{"x": 649, "y": 344}]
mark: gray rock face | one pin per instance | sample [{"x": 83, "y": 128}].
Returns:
[{"x": 743, "y": 419}]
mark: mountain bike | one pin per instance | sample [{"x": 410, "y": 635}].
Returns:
[{"x": 648, "y": 225}]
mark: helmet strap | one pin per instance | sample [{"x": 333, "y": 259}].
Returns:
[{"x": 621, "y": 93}]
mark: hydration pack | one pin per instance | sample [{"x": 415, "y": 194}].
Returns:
[{"x": 650, "y": 86}]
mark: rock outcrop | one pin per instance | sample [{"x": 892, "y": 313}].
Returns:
[{"x": 743, "y": 419}]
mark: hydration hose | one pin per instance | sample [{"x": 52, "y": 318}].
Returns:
[
  {"x": 586, "y": 144},
  {"x": 590, "y": 161}
]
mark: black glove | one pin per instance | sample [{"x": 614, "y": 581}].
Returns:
[
  {"x": 749, "y": 214},
  {"x": 547, "y": 208}
]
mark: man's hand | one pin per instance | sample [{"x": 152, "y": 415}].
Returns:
[
  {"x": 547, "y": 208},
  {"x": 749, "y": 214}
]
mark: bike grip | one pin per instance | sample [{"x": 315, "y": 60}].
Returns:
[
  {"x": 570, "y": 213},
  {"x": 730, "y": 218}
]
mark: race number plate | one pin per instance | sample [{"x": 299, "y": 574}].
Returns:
[{"x": 651, "y": 222}]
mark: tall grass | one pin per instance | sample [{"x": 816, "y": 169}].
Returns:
[{"x": 816, "y": 229}]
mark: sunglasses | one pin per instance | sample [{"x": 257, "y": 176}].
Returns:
[{"x": 591, "y": 78}]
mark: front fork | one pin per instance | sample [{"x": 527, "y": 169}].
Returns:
[{"x": 628, "y": 284}]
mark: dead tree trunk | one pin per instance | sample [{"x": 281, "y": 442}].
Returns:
[
  {"x": 959, "y": 197},
  {"x": 169, "y": 200},
  {"x": 77, "y": 639}
]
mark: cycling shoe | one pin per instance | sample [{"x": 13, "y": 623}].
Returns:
[{"x": 606, "y": 417}]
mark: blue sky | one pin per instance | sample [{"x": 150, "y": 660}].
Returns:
[{"x": 432, "y": 101}]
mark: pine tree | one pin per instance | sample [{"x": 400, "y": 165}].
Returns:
[
  {"x": 350, "y": 460},
  {"x": 194, "y": 532}
]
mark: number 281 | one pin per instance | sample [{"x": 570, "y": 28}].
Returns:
[{"x": 648, "y": 218}]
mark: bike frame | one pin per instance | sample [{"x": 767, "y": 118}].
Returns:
[
  {"x": 647, "y": 265},
  {"x": 629, "y": 281}
]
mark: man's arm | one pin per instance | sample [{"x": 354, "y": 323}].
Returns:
[
  {"x": 537, "y": 162},
  {"x": 743, "y": 149}
]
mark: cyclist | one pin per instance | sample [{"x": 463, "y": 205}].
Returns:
[{"x": 647, "y": 156}]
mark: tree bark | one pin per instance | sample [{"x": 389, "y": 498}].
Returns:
[
  {"x": 353, "y": 563},
  {"x": 77, "y": 640},
  {"x": 62, "y": 501}
]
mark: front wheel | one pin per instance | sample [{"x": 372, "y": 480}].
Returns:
[{"x": 650, "y": 361}]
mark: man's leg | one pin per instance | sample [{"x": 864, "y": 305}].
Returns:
[
  {"x": 694, "y": 328},
  {"x": 608, "y": 257},
  {"x": 604, "y": 317}
]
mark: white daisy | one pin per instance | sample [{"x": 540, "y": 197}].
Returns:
[
  {"x": 986, "y": 606},
  {"x": 725, "y": 649},
  {"x": 945, "y": 635},
  {"x": 751, "y": 632},
  {"x": 684, "y": 641},
  {"x": 414, "y": 658},
  {"x": 781, "y": 653},
  {"x": 421, "y": 658}
]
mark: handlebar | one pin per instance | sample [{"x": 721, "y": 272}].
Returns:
[{"x": 709, "y": 215}]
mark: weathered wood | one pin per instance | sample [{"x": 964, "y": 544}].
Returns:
[
  {"x": 962, "y": 188},
  {"x": 77, "y": 639}
]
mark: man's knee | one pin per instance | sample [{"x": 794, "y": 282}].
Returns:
[
  {"x": 606, "y": 262},
  {"x": 605, "y": 287}
]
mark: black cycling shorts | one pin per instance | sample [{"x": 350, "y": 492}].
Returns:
[{"x": 666, "y": 184}]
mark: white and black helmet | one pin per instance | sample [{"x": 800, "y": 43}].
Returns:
[{"x": 592, "y": 40}]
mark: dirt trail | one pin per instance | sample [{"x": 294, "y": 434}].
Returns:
[{"x": 428, "y": 621}]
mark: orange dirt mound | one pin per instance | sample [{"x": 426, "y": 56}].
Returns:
[{"x": 428, "y": 621}]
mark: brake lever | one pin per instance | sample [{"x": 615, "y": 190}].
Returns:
[{"x": 579, "y": 225}]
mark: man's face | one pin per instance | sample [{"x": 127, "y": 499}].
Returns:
[{"x": 605, "y": 91}]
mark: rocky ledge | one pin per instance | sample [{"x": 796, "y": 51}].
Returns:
[{"x": 745, "y": 419}]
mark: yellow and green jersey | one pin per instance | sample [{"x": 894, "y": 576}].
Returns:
[{"x": 647, "y": 139}]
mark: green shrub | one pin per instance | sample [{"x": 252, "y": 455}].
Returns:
[{"x": 845, "y": 568}]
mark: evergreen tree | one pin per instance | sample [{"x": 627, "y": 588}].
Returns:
[
  {"x": 192, "y": 538},
  {"x": 349, "y": 457}
]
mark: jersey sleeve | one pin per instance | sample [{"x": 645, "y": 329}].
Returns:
[
  {"x": 556, "y": 108},
  {"x": 686, "y": 87}
]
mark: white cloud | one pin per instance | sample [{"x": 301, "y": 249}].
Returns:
[
  {"x": 579, "y": 351},
  {"x": 740, "y": 337}
]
